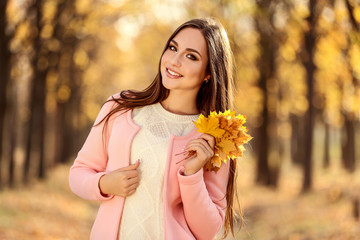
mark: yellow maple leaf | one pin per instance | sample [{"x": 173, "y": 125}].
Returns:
[
  {"x": 226, "y": 145},
  {"x": 223, "y": 156},
  {"x": 242, "y": 119},
  {"x": 223, "y": 123},
  {"x": 209, "y": 126},
  {"x": 229, "y": 113}
]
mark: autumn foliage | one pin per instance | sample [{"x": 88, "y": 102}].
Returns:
[{"x": 229, "y": 133}]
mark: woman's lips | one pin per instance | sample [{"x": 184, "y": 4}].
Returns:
[{"x": 172, "y": 74}]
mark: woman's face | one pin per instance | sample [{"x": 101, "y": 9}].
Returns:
[{"x": 184, "y": 62}]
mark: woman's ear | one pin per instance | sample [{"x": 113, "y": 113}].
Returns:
[{"x": 207, "y": 78}]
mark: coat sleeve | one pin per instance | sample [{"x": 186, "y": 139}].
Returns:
[
  {"x": 90, "y": 163},
  {"x": 204, "y": 200}
]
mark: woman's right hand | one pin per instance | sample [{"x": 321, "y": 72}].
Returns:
[{"x": 121, "y": 182}]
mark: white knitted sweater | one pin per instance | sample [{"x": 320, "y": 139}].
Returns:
[{"x": 142, "y": 216}]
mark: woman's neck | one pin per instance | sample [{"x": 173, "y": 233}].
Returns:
[{"x": 182, "y": 105}]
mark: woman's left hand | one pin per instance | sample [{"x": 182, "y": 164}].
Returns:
[{"x": 204, "y": 151}]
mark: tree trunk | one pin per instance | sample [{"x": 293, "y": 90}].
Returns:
[
  {"x": 36, "y": 132},
  {"x": 12, "y": 139},
  {"x": 266, "y": 174},
  {"x": 297, "y": 139},
  {"x": 356, "y": 208},
  {"x": 40, "y": 97},
  {"x": 310, "y": 42},
  {"x": 326, "y": 162},
  {"x": 349, "y": 137},
  {"x": 64, "y": 130},
  {"x": 57, "y": 123},
  {"x": 262, "y": 144},
  {"x": 4, "y": 74},
  {"x": 348, "y": 145}
]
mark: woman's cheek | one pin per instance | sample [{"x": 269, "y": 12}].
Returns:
[{"x": 165, "y": 57}]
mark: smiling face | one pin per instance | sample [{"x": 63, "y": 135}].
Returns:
[{"x": 184, "y": 62}]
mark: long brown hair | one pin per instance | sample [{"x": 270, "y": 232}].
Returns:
[{"x": 215, "y": 95}]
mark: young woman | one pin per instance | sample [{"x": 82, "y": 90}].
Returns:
[{"x": 132, "y": 161}]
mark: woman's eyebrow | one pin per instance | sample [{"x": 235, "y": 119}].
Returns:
[{"x": 188, "y": 49}]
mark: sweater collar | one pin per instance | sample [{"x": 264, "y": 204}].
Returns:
[{"x": 172, "y": 116}]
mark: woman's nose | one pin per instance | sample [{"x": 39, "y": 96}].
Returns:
[{"x": 175, "y": 60}]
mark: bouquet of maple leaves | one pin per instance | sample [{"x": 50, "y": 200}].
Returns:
[{"x": 229, "y": 133}]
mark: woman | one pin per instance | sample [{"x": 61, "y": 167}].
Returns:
[{"x": 132, "y": 161}]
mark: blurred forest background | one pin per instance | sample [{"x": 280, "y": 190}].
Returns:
[{"x": 297, "y": 79}]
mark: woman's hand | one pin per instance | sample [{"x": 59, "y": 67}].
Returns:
[
  {"x": 204, "y": 151},
  {"x": 121, "y": 182}
]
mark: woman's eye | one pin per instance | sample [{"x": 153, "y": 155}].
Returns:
[
  {"x": 172, "y": 48},
  {"x": 192, "y": 57}
]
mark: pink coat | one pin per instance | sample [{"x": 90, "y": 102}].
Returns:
[{"x": 194, "y": 206}]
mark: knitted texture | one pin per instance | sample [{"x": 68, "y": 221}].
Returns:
[{"x": 142, "y": 216}]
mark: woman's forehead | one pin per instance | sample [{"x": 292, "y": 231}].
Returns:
[{"x": 191, "y": 38}]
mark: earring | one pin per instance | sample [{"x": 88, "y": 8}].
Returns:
[{"x": 207, "y": 79}]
